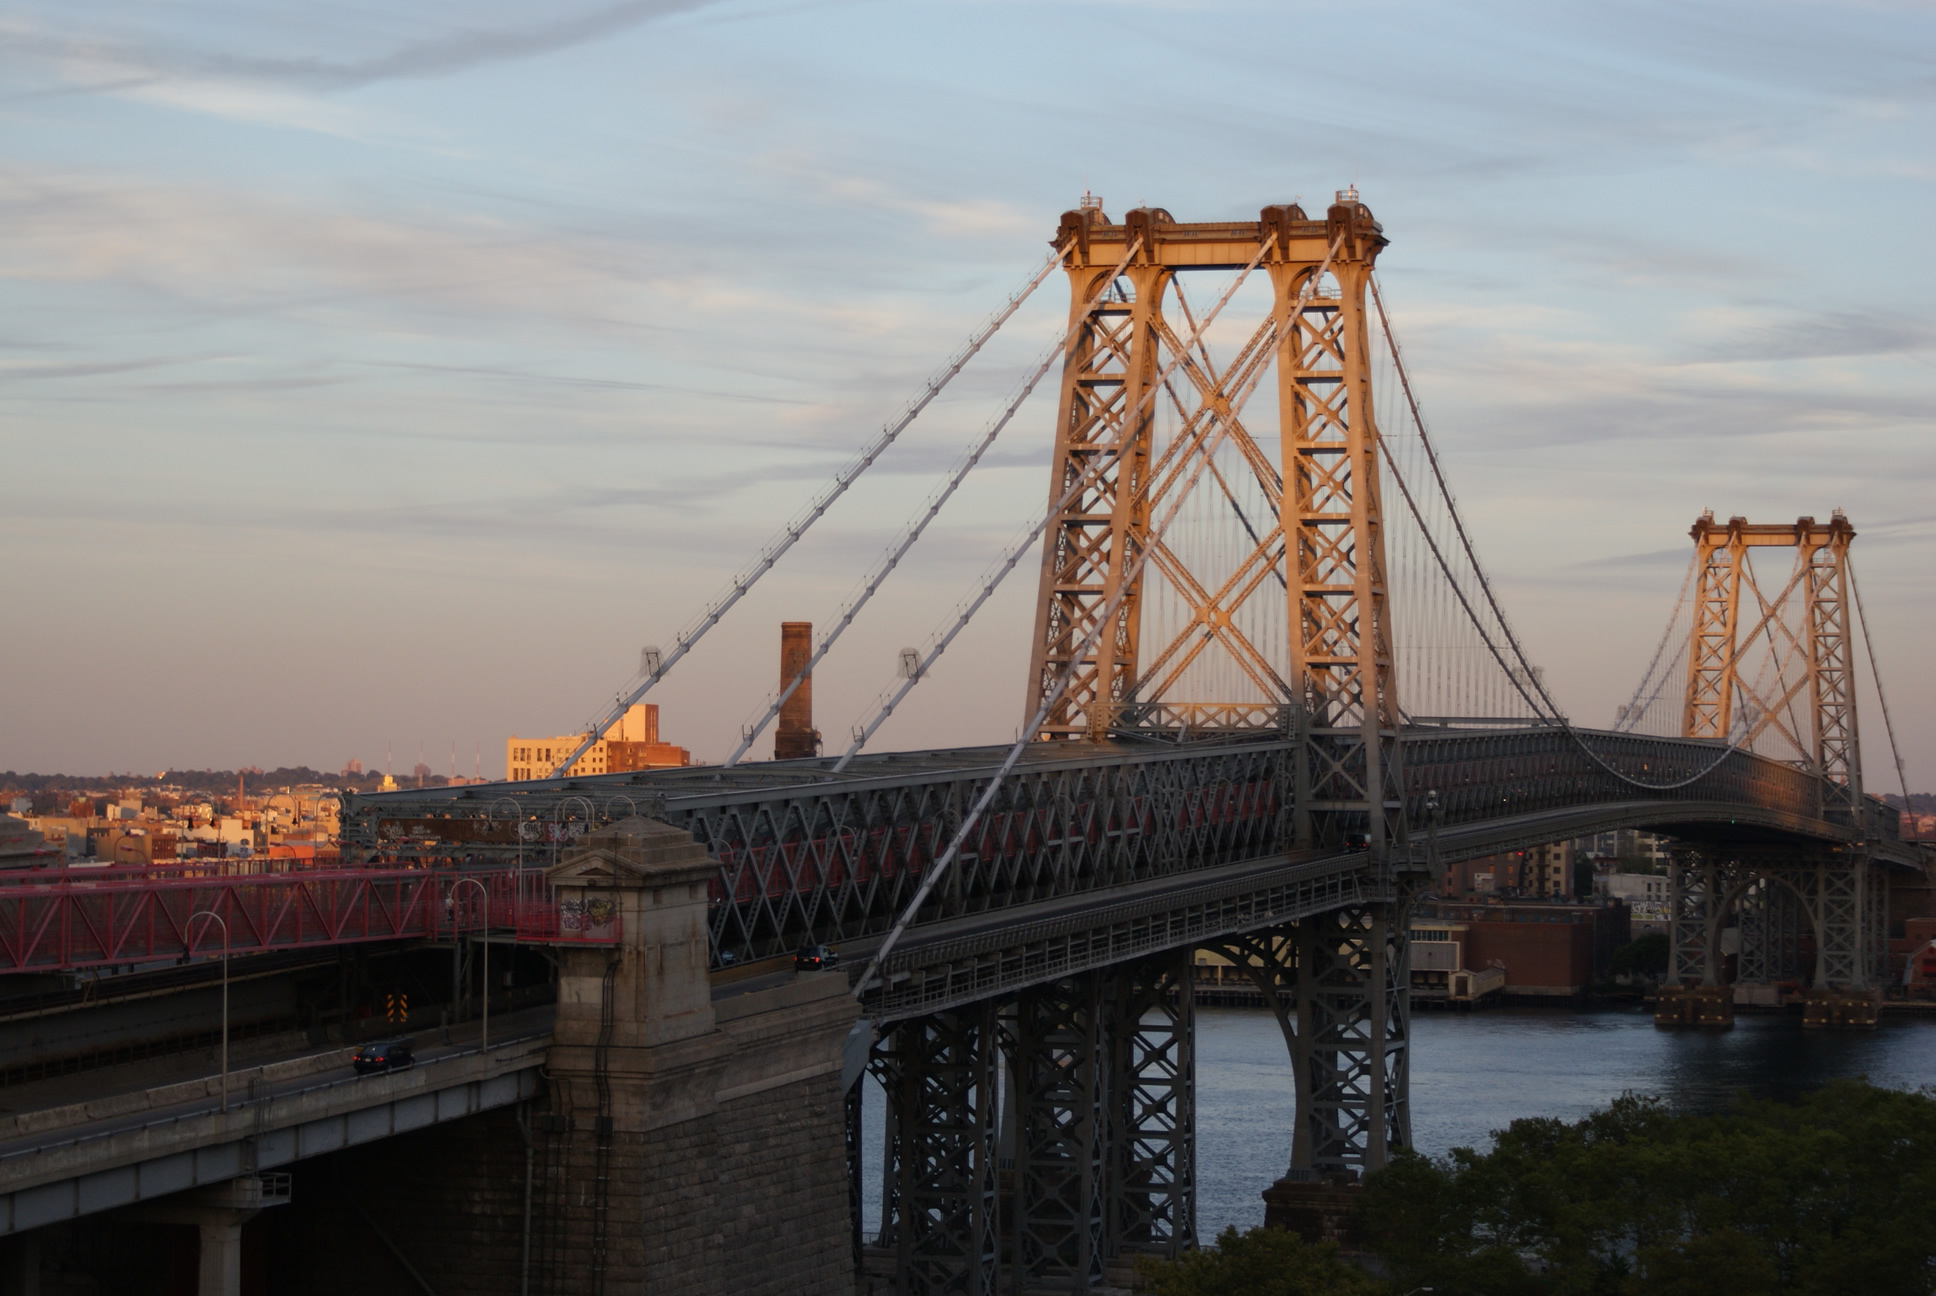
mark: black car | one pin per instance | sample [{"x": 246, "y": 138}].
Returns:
[
  {"x": 385, "y": 1055},
  {"x": 1357, "y": 841},
  {"x": 815, "y": 958}
]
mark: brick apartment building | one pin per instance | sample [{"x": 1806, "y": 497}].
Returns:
[{"x": 1547, "y": 948}]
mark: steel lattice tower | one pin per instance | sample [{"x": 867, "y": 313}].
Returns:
[{"x": 1324, "y": 549}]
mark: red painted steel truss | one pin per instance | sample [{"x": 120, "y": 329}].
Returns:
[{"x": 52, "y": 920}]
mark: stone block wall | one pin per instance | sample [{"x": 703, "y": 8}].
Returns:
[
  {"x": 747, "y": 1198},
  {"x": 783, "y": 1191}
]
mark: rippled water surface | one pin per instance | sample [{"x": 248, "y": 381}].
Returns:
[{"x": 1474, "y": 1073}]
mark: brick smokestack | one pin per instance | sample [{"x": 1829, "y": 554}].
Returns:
[{"x": 796, "y": 735}]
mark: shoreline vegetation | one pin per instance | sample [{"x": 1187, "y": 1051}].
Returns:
[{"x": 1832, "y": 1194}]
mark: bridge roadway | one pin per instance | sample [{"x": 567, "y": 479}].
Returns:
[
  {"x": 1093, "y": 853},
  {"x": 78, "y": 1145}
]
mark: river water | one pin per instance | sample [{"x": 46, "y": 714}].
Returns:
[{"x": 1473, "y": 1073}]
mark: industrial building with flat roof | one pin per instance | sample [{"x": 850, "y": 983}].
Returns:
[{"x": 632, "y": 743}]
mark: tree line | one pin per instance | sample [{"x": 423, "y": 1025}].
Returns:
[{"x": 1830, "y": 1195}]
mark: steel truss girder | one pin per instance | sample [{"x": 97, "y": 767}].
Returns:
[
  {"x": 807, "y": 857},
  {"x": 1002, "y": 958}
]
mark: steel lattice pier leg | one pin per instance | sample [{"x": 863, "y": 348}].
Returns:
[
  {"x": 1151, "y": 1187},
  {"x": 1753, "y": 919},
  {"x": 1840, "y": 960},
  {"x": 1690, "y": 895},
  {"x": 1353, "y": 1022},
  {"x": 1061, "y": 1074},
  {"x": 938, "y": 1212}
]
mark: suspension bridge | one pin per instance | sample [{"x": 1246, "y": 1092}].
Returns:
[{"x": 1271, "y": 694}]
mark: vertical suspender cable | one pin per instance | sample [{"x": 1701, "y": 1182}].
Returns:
[{"x": 813, "y": 513}]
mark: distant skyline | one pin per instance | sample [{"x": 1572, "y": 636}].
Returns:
[{"x": 381, "y": 378}]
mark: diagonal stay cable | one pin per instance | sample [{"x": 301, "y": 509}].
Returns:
[
  {"x": 1518, "y": 679},
  {"x": 775, "y": 549},
  {"x": 934, "y": 873},
  {"x": 1021, "y": 546},
  {"x": 892, "y": 559}
]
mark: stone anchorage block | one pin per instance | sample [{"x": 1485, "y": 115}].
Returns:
[
  {"x": 1695, "y": 1006},
  {"x": 1317, "y": 1210},
  {"x": 1841, "y": 1009}
]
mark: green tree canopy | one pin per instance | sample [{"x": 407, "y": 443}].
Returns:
[
  {"x": 1262, "y": 1262},
  {"x": 1835, "y": 1194}
]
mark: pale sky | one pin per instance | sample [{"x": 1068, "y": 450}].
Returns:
[{"x": 379, "y": 376}]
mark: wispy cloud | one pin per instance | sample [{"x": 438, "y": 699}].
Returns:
[{"x": 460, "y": 46}]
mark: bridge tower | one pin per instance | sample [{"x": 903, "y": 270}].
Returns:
[
  {"x": 1716, "y": 685},
  {"x": 1325, "y": 667},
  {"x": 1838, "y": 894},
  {"x": 1141, "y": 628}
]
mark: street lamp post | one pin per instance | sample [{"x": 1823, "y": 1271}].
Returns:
[
  {"x": 485, "y": 892},
  {"x": 212, "y": 915}
]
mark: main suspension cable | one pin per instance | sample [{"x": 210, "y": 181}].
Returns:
[
  {"x": 745, "y": 580},
  {"x": 1519, "y": 679}
]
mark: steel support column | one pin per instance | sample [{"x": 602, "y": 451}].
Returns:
[
  {"x": 1354, "y": 1025},
  {"x": 1691, "y": 902},
  {"x": 1151, "y": 1186},
  {"x": 1060, "y": 1065},
  {"x": 1831, "y": 668},
  {"x": 1848, "y": 951},
  {"x": 1340, "y": 986},
  {"x": 1333, "y": 520},
  {"x": 1103, "y": 425},
  {"x": 938, "y": 1171},
  {"x": 1719, "y": 556}
]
